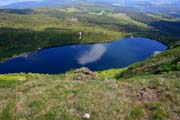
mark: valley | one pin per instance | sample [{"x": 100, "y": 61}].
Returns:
[
  {"x": 28, "y": 30},
  {"x": 138, "y": 78}
]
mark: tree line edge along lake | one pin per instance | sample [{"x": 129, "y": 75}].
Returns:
[{"x": 99, "y": 56}]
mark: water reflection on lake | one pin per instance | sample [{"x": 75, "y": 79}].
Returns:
[
  {"x": 101, "y": 56},
  {"x": 95, "y": 53}
]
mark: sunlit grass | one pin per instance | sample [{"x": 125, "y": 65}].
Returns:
[
  {"x": 111, "y": 74},
  {"x": 12, "y": 78}
]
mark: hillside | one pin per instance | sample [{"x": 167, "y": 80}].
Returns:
[
  {"x": 65, "y": 96},
  {"x": 165, "y": 62}
]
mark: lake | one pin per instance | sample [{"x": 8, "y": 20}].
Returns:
[{"x": 100, "y": 56}]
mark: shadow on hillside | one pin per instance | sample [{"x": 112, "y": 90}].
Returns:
[
  {"x": 17, "y": 41},
  {"x": 16, "y": 11},
  {"x": 56, "y": 29},
  {"x": 167, "y": 27}
]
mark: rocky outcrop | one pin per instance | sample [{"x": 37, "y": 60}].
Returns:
[{"x": 84, "y": 74}]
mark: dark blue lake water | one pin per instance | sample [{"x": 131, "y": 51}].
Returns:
[{"x": 101, "y": 56}]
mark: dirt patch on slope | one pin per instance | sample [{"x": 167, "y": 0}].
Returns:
[{"x": 149, "y": 95}]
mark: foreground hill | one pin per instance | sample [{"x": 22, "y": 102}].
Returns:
[
  {"x": 111, "y": 94},
  {"x": 165, "y": 62}
]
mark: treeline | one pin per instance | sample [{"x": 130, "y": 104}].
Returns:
[{"x": 16, "y": 41}]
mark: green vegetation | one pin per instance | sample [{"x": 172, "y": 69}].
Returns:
[
  {"x": 165, "y": 62},
  {"x": 28, "y": 30},
  {"x": 51, "y": 97},
  {"x": 148, "y": 90},
  {"x": 11, "y": 77},
  {"x": 22, "y": 31}
]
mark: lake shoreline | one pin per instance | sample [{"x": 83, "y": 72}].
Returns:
[
  {"x": 97, "y": 56},
  {"x": 83, "y": 43},
  {"x": 101, "y": 42}
]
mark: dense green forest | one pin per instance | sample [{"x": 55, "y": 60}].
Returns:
[{"x": 30, "y": 29}]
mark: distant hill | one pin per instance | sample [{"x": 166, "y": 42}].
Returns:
[
  {"x": 22, "y": 5},
  {"x": 33, "y": 4},
  {"x": 45, "y": 3}
]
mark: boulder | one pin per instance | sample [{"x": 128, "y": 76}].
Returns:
[
  {"x": 84, "y": 74},
  {"x": 156, "y": 53},
  {"x": 86, "y": 116}
]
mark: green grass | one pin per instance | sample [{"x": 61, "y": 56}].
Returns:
[
  {"x": 45, "y": 97},
  {"x": 7, "y": 81},
  {"x": 12, "y": 77},
  {"x": 111, "y": 73},
  {"x": 165, "y": 62}
]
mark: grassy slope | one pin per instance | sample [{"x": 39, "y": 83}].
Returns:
[
  {"x": 165, "y": 62},
  {"x": 44, "y": 97}
]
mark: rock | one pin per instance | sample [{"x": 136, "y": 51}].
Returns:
[
  {"x": 156, "y": 53},
  {"x": 177, "y": 44},
  {"x": 86, "y": 116},
  {"x": 84, "y": 74},
  {"x": 157, "y": 70},
  {"x": 176, "y": 61},
  {"x": 142, "y": 91},
  {"x": 84, "y": 70}
]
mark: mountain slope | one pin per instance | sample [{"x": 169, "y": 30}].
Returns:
[
  {"x": 43, "y": 97},
  {"x": 165, "y": 62}
]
